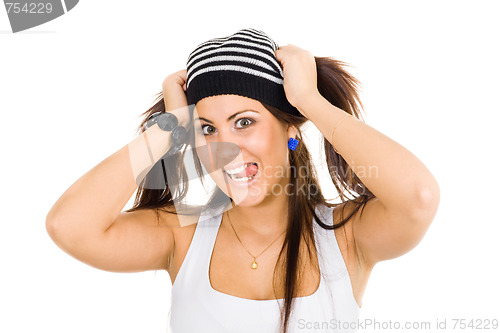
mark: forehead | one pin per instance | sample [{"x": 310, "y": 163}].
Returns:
[{"x": 222, "y": 105}]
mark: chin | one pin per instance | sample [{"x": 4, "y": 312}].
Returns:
[{"x": 248, "y": 201}]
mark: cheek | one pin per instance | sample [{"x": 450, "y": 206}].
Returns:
[
  {"x": 270, "y": 147},
  {"x": 262, "y": 144},
  {"x": 269, "y": 136}
]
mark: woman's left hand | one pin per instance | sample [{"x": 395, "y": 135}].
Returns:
[{"x": 299, "y": 71}]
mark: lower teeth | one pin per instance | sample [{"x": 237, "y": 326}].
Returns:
[{"x": 242, "y": 180}]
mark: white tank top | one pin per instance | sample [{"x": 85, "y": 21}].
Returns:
[{"x": 197, "y": 307}]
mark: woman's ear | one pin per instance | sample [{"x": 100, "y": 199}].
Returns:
[{"x": 292, "y": 131}]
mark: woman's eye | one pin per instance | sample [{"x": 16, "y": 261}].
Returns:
[
  {"x": 244, "y": 121},
  {"x": 210, "y": 130}
]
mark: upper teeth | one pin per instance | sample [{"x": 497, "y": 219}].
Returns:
[{"x": 237, "y": 170}]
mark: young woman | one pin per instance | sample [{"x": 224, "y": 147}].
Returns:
[{"x": 270, "y": 255}]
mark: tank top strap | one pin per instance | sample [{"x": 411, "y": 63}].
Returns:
[
  {"x": 198, "y": 254},
  {"x": 208, "y": 230},
  {"x": 204, "y": 237}
]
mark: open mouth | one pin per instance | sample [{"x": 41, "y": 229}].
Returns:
[{"x": 243, "y": 174}]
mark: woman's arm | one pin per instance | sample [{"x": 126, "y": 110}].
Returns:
[
  {"x": 407, "y": 195},
  {"x": 94, "y": 201},
  {"x": 87, "y": 223},
  {"x": 87, "y": 220}
]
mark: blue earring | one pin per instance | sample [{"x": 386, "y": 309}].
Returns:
[{"x": 292, "y": 143}]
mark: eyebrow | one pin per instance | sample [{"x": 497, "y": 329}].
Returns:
[{"x": 230, "y": 117}]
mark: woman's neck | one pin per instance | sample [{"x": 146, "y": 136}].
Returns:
[{"x": 266, "y": 219}]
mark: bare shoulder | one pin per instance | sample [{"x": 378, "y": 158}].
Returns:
[
  {"x": 182, "y": 229},
  {"x": 180, "y": 225}
]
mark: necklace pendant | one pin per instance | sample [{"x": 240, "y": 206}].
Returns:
[{"x": 254, "y": 264}]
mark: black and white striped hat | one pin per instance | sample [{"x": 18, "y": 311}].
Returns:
[{"x": 242, "y": 64}]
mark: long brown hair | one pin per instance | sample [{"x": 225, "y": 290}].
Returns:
[{"x": 340, "y": 88}]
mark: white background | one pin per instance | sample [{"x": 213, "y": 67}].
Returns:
[{"x": 72, "y": 90}]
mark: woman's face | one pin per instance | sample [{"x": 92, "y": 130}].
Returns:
[{"x": 259, "y": 138}]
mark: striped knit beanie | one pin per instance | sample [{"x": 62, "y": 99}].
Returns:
[{"x": 242, "y": 64}]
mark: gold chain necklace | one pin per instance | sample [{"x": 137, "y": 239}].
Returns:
[{"x": 254, "y": 263}]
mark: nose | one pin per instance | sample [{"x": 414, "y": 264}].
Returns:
[
  {"x": 220, "y": 151},
  {"x": 230, "y": 144}
]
